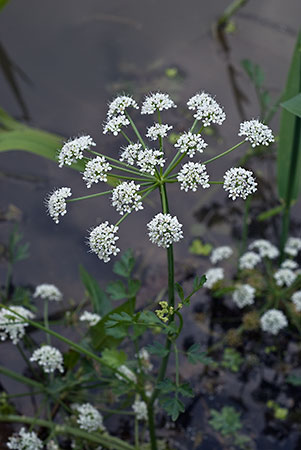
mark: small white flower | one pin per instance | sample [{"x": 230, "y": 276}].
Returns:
[
  {"x": 96, "y": 170},
  {"x": 265, "y": 248},
  {"x": 296, "y": 299},
  {"x": 256, "y": 133},
  {"x": 249, "y": 260},
  {"x": 73, "y": 150},
  {"x": 91, "y": 318},
  {"x": 130, "y": 153},
  {"x": 220, "y": 253},
  {"x": 164, "y": 230},
  {"x": 127, "y": 373},
  {"x": 140, "y": 409},
  {"x": 144, "y": 358},
  {"x": 273, "y": 321},
  {"x": 125, "y": 197},
  {"x": 191, "y": 143},
  {"x": 243, "y": 295},
  {"x": 293, "y": 246},
  {"x": 148, "y": 159},
  {"x": 56, "y": 203},
  {"x": 284, "y": 277},
  {"x": 24, "y": 440},
  {"x": 89, "y": 418},
  {"x": 102, "y": 241},
  {"x": 157, "y": 102},
  {"x": 207, "y": 109},
  {"x": 48, "y": 292},
  {"x": 213, "y": 276},
  {"x": 13, "y": 326},
  {"x": 49, "y": 358},
  {"x": 119, "y": 105},
  {"x": 239, "y": 182},
  {"x": 192, "y": 175},
  {"x": 52, "y": 445},
  {"x": 115, "y": 124},
  {"x": 158, "y": 130},
  {"x": 289, "y": 264}
]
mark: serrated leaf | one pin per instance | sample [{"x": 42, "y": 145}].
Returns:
[
  {"x": 150, "y": 318},
  {"x": 113, "y": 358},
  {"x": 157, "y": 349},
  {"x": 194, "y": 355},
  {"x": 173, "y": 406},
  {"x": 117, "y": 290},
  {"x": 179, "y": 290},
  {"x": 133, "y": 287},
  {"x": 100, "y": 301},
  {"x": 185, "y": 390},
  {"x": 125, "y": 265},
  {"x": 166, "y": 386}
]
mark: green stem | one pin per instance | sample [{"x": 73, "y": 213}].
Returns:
[
  {"x": 224, "y": 153},
  {"x": 24, "y": 380},
  {"x": 177, "y": 365},
  {"x": 245, "y": 226},
  {"x": 28, "y": 363},
  {"x": 151, "y": 426},
  {"x": 128, "y": 178},
  {"x": 215, "y": 182},
  {"x": 135, "y": 130},
  {"x": 136, "y": 434},
  {"x": 46, "y": 323},
  {"x": 126, "y": 136},
  {"x": 85, "y": 197}
]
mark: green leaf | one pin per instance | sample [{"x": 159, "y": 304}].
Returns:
[
  {"x": 198, "y": 282},
  {"x": 125, "y": 265},
  {"x": 185, "y": 390},
  {"x": 117, "y": 290},
  {"x": 232, "y": 359},
  {"x": 226, "y": 421},
  {"x": 100, "y": 302},
  {"x": 3, "y": 3},
  {"x": 194, "y": 355},
  {"x": 119, "y": 318},
  {"x": 295, "y": 380},
  {"x": 113, "y": 358},
  {"x": 173, "y": 406},
  {"x": 149, "y": 318},
  {"x": 180, "y": 291},
  {"x": 270, "y": 213},
  {"x": 167, "y": 386},
  {"x": 70, "y": 359},
  {"x": 198, "y": 248},
  {"x": 157, "y": 349},
  {"x": 133, "y": 287},
  {"x": 293, "y": 105}
]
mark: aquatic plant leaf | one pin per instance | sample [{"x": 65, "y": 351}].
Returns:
[
  {"x": 125, "y": 265},
  {"x": 157, "y": 349},
  {"x": 100, "y": 301},
  {"x": 293, "y": 105}
]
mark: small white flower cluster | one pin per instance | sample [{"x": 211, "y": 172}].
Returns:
[
  {"x": 289, "y": 264},
  {"x": 243, "y": 295},
  {"x": 293, "y": 246},
  {"x": 191, "y": 143},
  {"x": 148, "y": 159},
  {"x": 115, "y": 124},
  {"x": 96, "y": 170},
  {"x": 49, "y": 358},
  {"x": 73, "y": 150},
  {"x": 102, "y": 241},
  {"x": 91, "y": 318},
  {"x": 192, "y": 175},
  {"x": 296, "y": 299},
  {"x": 24, "y": 440},
  {"x": 158, "y": 130},
  {"x": 123, "y": 369},
  {"x": 52, "y": 445},
  {"x": 56, "y": 203},
  {"x": 239, "y": 182},
  {"x": 249, "y": 260},
  {"x": 207, "y": 109},
  {"x": 48, "y": 292},
  {"x": 13, "y": 326},
  {"x": 284, "y": 277},
  {"x": 220, "y": 253},
  {"x": 125, "y": 197},
  {"x": 130, "y": 153},
  {"x": 140, "y": 409},
  {"x": 119, "y": 105},
  {"x": 264, "y": 248},
  {"x": 273, "y": 321},
  {"x": 89, "y": 419},
  {"x": 157, "y": 102},
  {"x": 144, "y": 358},
  {"x": 164, "y": 230},
  {"x": 213, "y": 276},
  {"x": 256, "y": 133}
]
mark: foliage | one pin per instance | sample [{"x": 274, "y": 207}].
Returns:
[
  {"x": 232, "y": 359},
  {"x": 227, "y": 421}
]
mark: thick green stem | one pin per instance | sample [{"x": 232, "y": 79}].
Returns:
[
  {"x": 151, "y": 426},
  {"x": 224, "y": 153}
]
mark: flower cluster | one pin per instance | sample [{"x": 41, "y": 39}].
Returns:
[
  {"x": 74, "y": 150},
  {"x": 48, "y": 292},
  {"x": 96, "y": 170},
  {"x": 265, "y": 248},
  {"x": 89, "y": 419},
  {"x": 91, "y": 318},
  {"x": 119, "y": 104},
  {"x": 49, "y": 358},
  {"x": 148, "y": 159},
  {"x": 102, "y": 241},
  {"x": 25, "y": 440},
  {"x": 220, "y": 253},
  {"x": 284, "y": 277},
  {"x": 158, "y": 130},
  {"x": 157, "y": 102},
  {"x": 192, "y": 175},
  {"x": 292, "y": 246},
  {"x": 289, "y": 264},
  {"x": 296, "y": 299},
  {"x": 239, "y": 182},
  {"x": 140, "y": 409},
  {"x": 243, "y": 295},
  {"x": 273, "y": 321},
  {"x": 125, "y": 197},
  {"x": 11, "y": 325},
  {"x": 56, "y": 203},
  {"x": 115, "y": 124},
  {"x": 144, "y": 358},
  {"x": 213, "y": 276},
  {"x": 128, "y": 374},
  {"x": 249, "y": 260},
  {"x": 191, "y": 143},
  {"x": 256, "y": 133},
  {"x": 130, "y": 153},
  {"x": 207, "y": 109},
  {"x": 164, "y": 230},
  {"x": 165, "y": 312}
]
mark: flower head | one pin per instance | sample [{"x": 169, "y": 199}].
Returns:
[
  {"x": 249, "y": 260},
  {"x": 293, "y": 246},
  {"x": 239, "y": 182},
  {"x": 13, "y": 326},
  {"x": 24, "y": 440},
  {"x": 48, "y": 292},
  {"x": 191, "y": 143},
  {"x": 140, "y": 409},
  {"x": 220, "y": 253},
  {"x": 73, "y": 150},
  {"x": 284, "y": 277},
  {"x": 192, "y": 175},
  {"x": 89, "y": 419},
  {"x": 264, "y": 248},
  {"x": 125, "y": 197},
  {"x": 158, "y": 130},
  {"x": 164, "y": 230},
  {"x": 296, "y": 299},
  {"x": 56, "y": 203},
  {"x": 243, "y": 295},
  {"x": 102, "y": 241},
  {"x": 256, "y": 133},
  {"x": 123, "y": 369},
  {"x": 157, "y": 102},
  {"x": 289, "y": 264},
  {"x": 148, "y": 159},
  {"x": 144, "y": 358},
  {"x": 207, "y": 109},
  {"x": 96, "y": 170},
  {"x": 119, "y": 104},
  {"x": 115, "y": 124},
  {"x": 130, "y": 153},
  {"x": 213, "y": 276},
  {"x": 49, "y": 358},
  {"x": 273, "y": 321},
  {"x": 91, "y": 318}
]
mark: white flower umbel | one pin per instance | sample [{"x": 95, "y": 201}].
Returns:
[
  {"x": 239, "y": 182},
  {"x": 96, "y": 170},
  {"x": 207, "y": 109},
  {"x": 213, "y": 276},
  {"x": 157, "y": 102},
  {"x": 52, "y": 445},
  {"x": 125, "y": 197},
  {"x": 89, "y": 317},
  {"x": 130, "y": 153},
  {"x": 164, "y": 230},
  {"x": 11, "y": 325},
  {"x": 73, "y": 150},
  {"x": 296, "y": 299},
  {"x": 284, "y": 277},
  {"x": 191, "y": 143},
  {"x": 273, "y": 321},
  {"x": 56, "y": 203},
  {"x": 293, "y": 246},
  {"x": 289, "y": 264},
  {"x": 127, "y": 373},
  {"x": 249, "y": 260},
  {"x": 144, "y": 358},
  {"x": 220, "y": 253},
  {"x": 192, "y": 175},
  {"x": 256, "y": 133},
  {"x": 24, "y": 440},
  {"x": 158, "y": 130},
  {"x": 89, "y": 419},
  {"x": 49, "y": 358},
  {"x": 264, "y": 248},
  {"x": 140, "y": 409},
  {"x": 115, "y": 124},
  {"x": 48, "y": 292},
  {"x": 102, "y": 241},
  {"x": 243, "y": 295},
  {"x": 148, "y": 159},
  {"x": 119, "y": 104}
]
